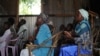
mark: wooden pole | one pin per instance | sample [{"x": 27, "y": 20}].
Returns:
[
  {"x": 17, "y": 13},
  {"x": 75, "y": 6}
]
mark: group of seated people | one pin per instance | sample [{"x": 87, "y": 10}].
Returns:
[
  {"x": 9, "y": 28},
  {"x": 75, "y": 34},
  {"x": 67, "y": 44}
]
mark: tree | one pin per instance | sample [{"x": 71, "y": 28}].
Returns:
[
  {"x": 29, "y": 3},
  {"x": 25, "y": 6}
]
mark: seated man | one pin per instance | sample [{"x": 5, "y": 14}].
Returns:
[
  {"x": 6, "y": 34},
  {"x": 22, "y": 32}
]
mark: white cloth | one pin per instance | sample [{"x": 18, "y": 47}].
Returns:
[
  {"x": 25, "y": 52},
  {"x": 23, "y": 32},
  {"x": 84, "y": 13},
  {"x": 50, "y": 23},
  {"x": 4, "y": 38},
  {"x": 13, "y": 30}
]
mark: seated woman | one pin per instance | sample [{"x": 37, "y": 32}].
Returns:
[
  {"x": 83, "y": 29},
  {"x": 43, "y": 34},
  {"x": 69, "y": 48}
]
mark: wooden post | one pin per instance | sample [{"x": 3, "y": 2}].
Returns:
[
  {"x": 42, "y": 5},
  {"x": 75, "y": 6},
  {"x": 17, "y": 13},
  {"x": 29, "y": 49}
]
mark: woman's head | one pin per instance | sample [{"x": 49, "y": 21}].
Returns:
[
  {"x": 78, "y": 16},
  {"x": 81, "y": 14},
  {"x": 42, "y": 18}
]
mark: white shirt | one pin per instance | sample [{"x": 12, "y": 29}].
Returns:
[
  {"x": 6, "y": 37},
  {"x": 13, "y": 30},
  {"x": 25, "y": 52},
  {"x": 23, "y": 34}
]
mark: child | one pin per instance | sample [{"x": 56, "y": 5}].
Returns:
[{"x": 24, "y": 51}]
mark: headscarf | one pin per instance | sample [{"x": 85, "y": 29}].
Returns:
[
  {"x": 44, "y": 17},
  {"x": 84, "y": 13}
]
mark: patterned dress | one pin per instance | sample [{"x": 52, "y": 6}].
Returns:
[{"x": 83, "y": 30}]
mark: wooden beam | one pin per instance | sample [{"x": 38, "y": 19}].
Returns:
[
  {"x": 75, "y": 6},
  {"x": 7, "y": 16},
  {"x": 61, "y": 15}
]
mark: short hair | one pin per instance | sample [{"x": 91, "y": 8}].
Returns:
[
  {"x": 7, "y": 23},
  {"x": 27, "y": 42},
  {"x": 69, "y": 27},
  {"x": 23, "y": 21},
  {"x": 62, "y": 27},
  {"x": 11, "y": 20}
]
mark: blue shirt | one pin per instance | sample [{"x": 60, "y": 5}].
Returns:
[
  {"x": 72, "y": 50},
  {"x": 82, "y": 27},
  {"x": 43, "y": 34}
]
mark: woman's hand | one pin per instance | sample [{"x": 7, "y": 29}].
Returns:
[{"x": 67, "y": 34}]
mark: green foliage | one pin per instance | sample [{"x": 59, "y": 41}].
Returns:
[
  {"x": 29, "y": 3},
  {"x": 24, "y": 9},
  {"x": 25, "y": 6}
]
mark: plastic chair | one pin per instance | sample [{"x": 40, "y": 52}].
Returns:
[
  {"x": 14, "y": 48},
  {"x": 2, "y": 50},
  {"x": 5, "y": 43}
]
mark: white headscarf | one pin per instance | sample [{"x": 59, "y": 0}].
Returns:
[{"x": 84, "y": 13}]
